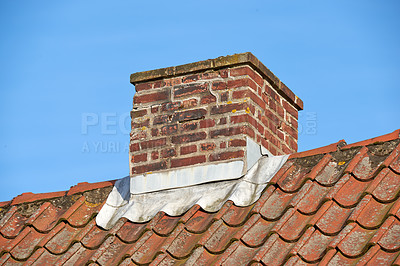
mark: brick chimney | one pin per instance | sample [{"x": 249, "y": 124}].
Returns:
[{"x": 205, "y": 113}]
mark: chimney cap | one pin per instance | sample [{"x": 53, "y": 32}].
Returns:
[{"x": 217, "y": 63}]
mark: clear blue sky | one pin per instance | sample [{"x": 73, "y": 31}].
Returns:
[{"x": 67, "y": 61}]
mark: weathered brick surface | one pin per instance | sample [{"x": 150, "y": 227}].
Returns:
[{"x": 205, "y": 117}]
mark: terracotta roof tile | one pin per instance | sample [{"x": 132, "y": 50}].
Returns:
[{"x": 336, "y": 204}]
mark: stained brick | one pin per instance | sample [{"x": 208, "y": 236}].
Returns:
[
  {"x": 226, "y": 132},
  {"x": 166, "y": 153},
  {"x": 153, "y": 143},
  {"x": 185, "y": 90},
  {"x": 227, "y": 108},
  {"x": 169, "y": 129},
  {"x": 208, "y": 99},
  {"x": 207, "y": 146},
  {"x": 237, "y": 143},
  {"x": 188, "y": 161},
  {"x": 171, "y": 106},
  {"x": 149, "y": 167},
  {"x": 226, "y": 155},
  {"x": 189, "y": 115},
  {"x": 138, "y": 113},
  {"x": 189, "y": 137},
  {"x": 189, "y": 126}
]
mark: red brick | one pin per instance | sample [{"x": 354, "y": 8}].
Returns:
[
  {"x": 191, "y": 78},
  {"x": 222, "y": 121},
  {"x": 144, "y": 123},
  {"x": 185, "y": 90},
  {"x": 152, "y": 97},
  {"x": 207, "y": 123},
  {"x": 240, "y": 94},
  {"x": 189, "y": 115},
  {"x": 139, "y": 135},
  {"x": 154, "y": 109},
  {"x": 189, "y": 137},
  {"x": 149, "y": 167},
  {"x": 154, "y": 155},
  {"x": 288, "y": 129},
  {"x": 153, "y": 143},
  {"x": 226, "y": 132},
  {"x": 219, "y": 85},
  {"x": 241, "y": 71},
  {"x": 208, "y": 99},
  {"x": 139, "y": 158},
  {"x": 271, "y": 93},
  {"x": 134, "y": 147},
  {"x": 166, "y": 153},
  {"x": 224, "y": 96},
  {"x": 255, "y": 98},
  {"x": 138, "y": 113},
  {"x": 207, "y": 146},
  {"x": 154, "y": 132},
  {"x": 169, "y": 129},
  {"x": 271, "y": 116},
  {"x": 226, "y": 155},
  {"x": 222, "y": 145},
  {"x": 171, "y": 82},
  {"x": 188, "y": 161},
  {"x": 188, "y": 149},
  {"x": 223, "y": 73},
  {"x": 160, "y": 119},
  {"x": 189, "y": 103},
  {"x": 237, "y": 143},
  {"x": 144, "y": 86},
  {"x": 189, "y": 126},
  {"x": 170, "y": 106},
  {"x": 290, "y": 109},
  {"x": 226, "y": 108}
]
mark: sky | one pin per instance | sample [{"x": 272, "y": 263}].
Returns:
[{"x": 65, "y": 94}]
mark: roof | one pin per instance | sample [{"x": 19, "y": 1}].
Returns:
[
  {"x": 338, "y": 204},
  {"x": 218, "y": 63}
]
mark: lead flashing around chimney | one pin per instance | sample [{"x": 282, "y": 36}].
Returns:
[
  {"x": 243, "y": 191},
  {"x": 194, "y": 175},
  {"x": 217, "y": 63}
]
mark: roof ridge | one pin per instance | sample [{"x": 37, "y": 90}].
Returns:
[
  {"x": 383, "y": 138},
  {"x": 28, "y": 197}
]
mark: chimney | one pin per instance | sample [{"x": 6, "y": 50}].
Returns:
[{"x": 208, "y": 113}]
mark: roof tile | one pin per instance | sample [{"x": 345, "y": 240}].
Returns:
[
  {"x": 25, "y": 243},
  {"x": 313, "y": 199},
  {"x": 373, "y": 214},
  {"x": 148, "y": 251},
  {"x": 311, "y": 212},
  {"x": 199, "y": 222},
  {"x": 334, "y": 219},
  {"x": 166, "y": 225},
  {"x": 350, "y": 194},
  {"x": 276, "y": 204},
  {"x": 295, "y": 225},
  {"x": 340, "y": 259},
  {"x": 389, "y": 187},
  {"x": 315, "y": 247},
  {"x": 14, "y": 225},
  {"x": 235, "y": 215},
  {"x": 354, "y": 244},
  {"x": 390, "y": 240},
  {"x": 114, "y": 253},
  {"x": 221, "y": 238},
  {"x": 277, "y": 252},
  {"x": 258, "y": 233},
  {"x": 242, "y": 255},
  {"x": 183, "y": 244}
]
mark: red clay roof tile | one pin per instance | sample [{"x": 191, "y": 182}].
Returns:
[{"x": 330, "y": 205}]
